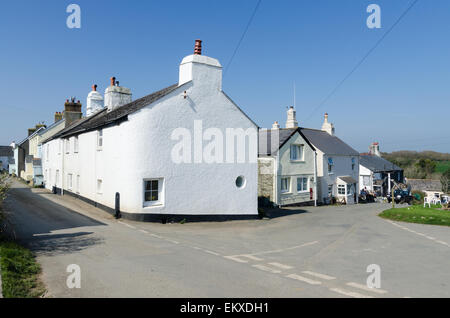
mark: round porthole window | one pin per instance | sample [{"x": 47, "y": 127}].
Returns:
[{"x": 240, "y": 182}]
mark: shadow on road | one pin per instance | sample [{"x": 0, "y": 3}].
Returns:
[
  {"x": 33, "y": 219},
  {"x": 277, "y": 212},
  {"x": 53, "y": 244}
]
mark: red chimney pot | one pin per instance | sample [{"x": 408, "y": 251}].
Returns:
[
  {"x": 94, "y": 87},
  {"x": 113, "y": 81},
  {"x": 198, "y": 47}
]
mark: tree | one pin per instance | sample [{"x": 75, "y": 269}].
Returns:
[{"x": 445, "y": 181}]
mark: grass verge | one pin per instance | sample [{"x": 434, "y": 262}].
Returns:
[
  {"x": 20, "y": 271},
  {"x": 418, "y": 214}
]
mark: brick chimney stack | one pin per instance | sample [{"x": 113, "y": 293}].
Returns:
[
  {"x": 72, "y": 111},
  {"x": 198, "y": 47}
]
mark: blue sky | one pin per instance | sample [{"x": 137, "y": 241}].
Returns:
[{"x": 399, "y": 96}]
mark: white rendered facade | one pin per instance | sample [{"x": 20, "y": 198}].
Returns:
[{"x": 140, "y": 149}]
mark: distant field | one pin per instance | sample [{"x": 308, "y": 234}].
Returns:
[{"x": 442, "y": 166}]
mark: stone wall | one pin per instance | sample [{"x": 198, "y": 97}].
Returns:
[
  {"x": 424, "y": 184},
  {"x": 265, "y": 178}
]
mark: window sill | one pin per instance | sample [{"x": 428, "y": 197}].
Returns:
[
  {"x": 153, "y": 205},
  {"x": 299, "y": 161},
  {"x": 286, "y": 192}
]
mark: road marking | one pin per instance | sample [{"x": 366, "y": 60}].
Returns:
[
  {"x": 143, "y": 231},
  {"x": 364, "y": 287},
  {"x": 157, "y": 236},
  {"x": 211, "y": 252},
  {"x": 323, "y": 276},
  {"x": 171, "y": 241},
  {"x": 420, "y": 234},
  {"x": 279, "y": 265},
  {"x": 304, "y": 279},
  {"x": 266, "y": 269},
  {"x": 349, "y": 293},
  {"x": 284, "y": 249},
  {"x": 250, "y": 256},
  {"x": 236, "y": 259},
  {"x": 126, "y": 224}
]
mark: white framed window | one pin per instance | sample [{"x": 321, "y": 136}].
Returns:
[
  {"x": 99, "y": 186},
  {"x": 285, "y": 185},
  {"x": 75, "y": 144},
  {"x": 57, "y": 177},
  {"x": 302, "y": 184},
  {"x": 100, "y": 139},
  {"x": 69, "y": 181},
  {"x": 366, "y": 180},
  {"x": 67, "y": 145},
  {"x": 349, "y": 189},
  {"x": 78, "y": 184},
  {"x": 330, "y": 165},
  {"x": 297, "y": 152},
  {"x": 153, "y": 192},
  {"x": 341, "y": 189}
]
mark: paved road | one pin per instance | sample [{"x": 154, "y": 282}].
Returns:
[{"x": 313, "y": 252}]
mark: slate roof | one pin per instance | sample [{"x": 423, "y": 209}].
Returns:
[
  {"x": 6, "y": 151},
  {"x": 377, "y": 164},
  {"x": 330, "y": 145},
  {"x": 104, "y": 118},
  {"x": 265, "y": 145},
  {"x": 348, "y": 179}
]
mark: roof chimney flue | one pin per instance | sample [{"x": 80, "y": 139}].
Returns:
[
  {"x": 198, "y": 47},
  {"x": 113, "y": 81}
]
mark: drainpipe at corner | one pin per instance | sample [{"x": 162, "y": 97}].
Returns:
[{"x": 315, "y": 178}]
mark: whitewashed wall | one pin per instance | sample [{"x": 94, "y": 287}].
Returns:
[
  {"x": 140, "y": 148},
  {"x": 294, "y": 169}
]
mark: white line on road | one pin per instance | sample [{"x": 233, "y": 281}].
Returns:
[
  {"x": 349, "y": 293},
  {"x": 284, "y": 249},
  {"x": 266, "y": 269},
  {"x": 304, "y": 279},
  {"x": 279, "y": 265},
  {"x": 421, "y": 234},
  {"x": 236, "y": 259},
  {"x": 323, "y": 276},
  {"x": 172, "y": 241},
  {"x": 250, "y": 256},
  {"x": 143, "y": 231},
  {"x": 364, "y": 287},
  {"x": 211, "y": 252},
  {"x": 126, "y": 224},
  {"x": 157, "y": 236}
]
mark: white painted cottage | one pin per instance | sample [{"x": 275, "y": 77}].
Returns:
[
  {"x": 184, "y": 151},
  {"x": 286, "y": 165},
  {"x": 337, "y": 165}
]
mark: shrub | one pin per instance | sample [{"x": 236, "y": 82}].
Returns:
[{"x": 416, "y": 194}]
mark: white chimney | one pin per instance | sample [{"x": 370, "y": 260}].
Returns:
[
  {"x": 328, "y": 127},
  {"x": 276, "y": 125},
  {"x": 94, "y": 102},
  {"x": 374, "y": 149},
  {"x": 291, "y": 121},
  {"x": 200, "y": 68},
  {"x": 116, "y": 96}
]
